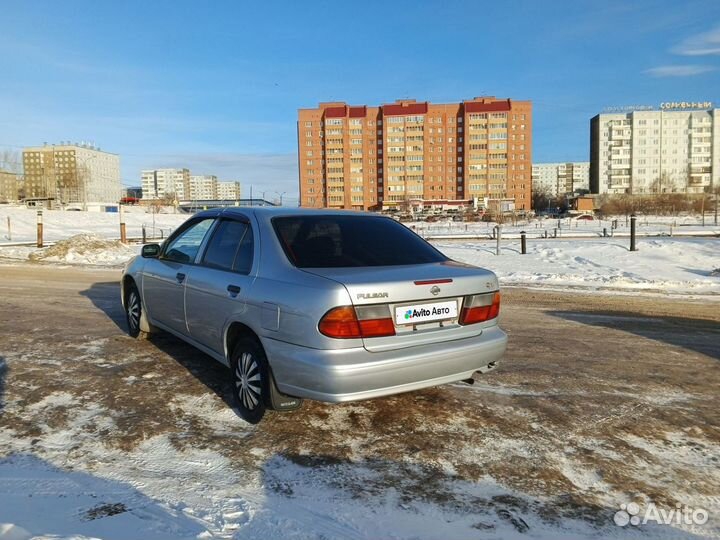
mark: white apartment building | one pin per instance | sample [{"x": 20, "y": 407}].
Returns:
[
  {"x": 556, "y": 179},
  {"x": 72, "y": 173},
  {"x": 160, "y": 183},
  {"x": 228, "y": 190},
  {"x": 663, "y": 151},
  {"x": 203, "y": 187}
]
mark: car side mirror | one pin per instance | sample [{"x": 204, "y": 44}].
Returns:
[{"x": 150, "y": 251}]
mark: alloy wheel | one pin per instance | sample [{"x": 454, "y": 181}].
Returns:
[
  {"x": 247, "y": 380},
  {"x": 133, "y": 311}
]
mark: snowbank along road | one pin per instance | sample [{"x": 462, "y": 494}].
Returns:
[{"x": 601, "y": 401}]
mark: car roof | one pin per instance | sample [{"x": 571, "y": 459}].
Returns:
[{"x": 267, "y": 212}]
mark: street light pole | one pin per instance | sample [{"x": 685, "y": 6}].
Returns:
[{"x": 281, "y": 196}]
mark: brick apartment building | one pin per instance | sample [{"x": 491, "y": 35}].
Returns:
[{"x": 416, "y": 154}]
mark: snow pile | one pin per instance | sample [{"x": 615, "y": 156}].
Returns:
[{"x": 86, "y": 249}]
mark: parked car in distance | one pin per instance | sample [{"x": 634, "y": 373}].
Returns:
[{"x": 333, "y": 306}]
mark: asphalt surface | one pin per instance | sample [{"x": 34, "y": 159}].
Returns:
[{"x": 599, "y": 399}]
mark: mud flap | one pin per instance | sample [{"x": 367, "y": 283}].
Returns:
[{"x": 280, "y": 401}]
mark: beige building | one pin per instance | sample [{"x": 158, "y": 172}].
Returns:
[
  {"x": 72, "y": 173},
  {"x": 9, "y": 186},
  {"x": 416, "y": 154},
  {"x": 561, "y": 178},
  {"x": 228, "y": 190},
  {"x": 165, "y": 183},
  {"x": 203, "y": 187}
]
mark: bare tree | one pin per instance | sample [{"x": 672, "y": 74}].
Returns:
[
  {"x": 540, "y": 198},
  {"x": 10, "y": 161},
  {"x": 663, "y": 184},
  {"x": 10, "y": 184}
]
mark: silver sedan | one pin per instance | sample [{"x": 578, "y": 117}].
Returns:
[{"x": 330, "y": 306}]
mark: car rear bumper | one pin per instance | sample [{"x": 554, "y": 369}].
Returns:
[{"x": 340, "y": 375}]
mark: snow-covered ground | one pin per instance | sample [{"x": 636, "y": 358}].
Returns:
[
  {"x": 588, "y": 261},
  {"x": 541, "y": 227},
  {"x": 58, "y": 224},
  {"x": 663, "y": 265}
]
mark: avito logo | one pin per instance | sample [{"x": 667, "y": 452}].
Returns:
[{"x": 423, "y": 312}]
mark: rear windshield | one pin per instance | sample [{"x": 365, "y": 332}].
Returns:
[{"x": 351, "y": 241}]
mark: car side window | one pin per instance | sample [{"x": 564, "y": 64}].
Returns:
[
  {"x": 184, "y": 247},
  {"x": 231, "y": 247}
]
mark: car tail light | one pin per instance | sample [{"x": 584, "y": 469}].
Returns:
[
  {"x": 480, "y": 308},
  {"x": 347, "y": 322}
]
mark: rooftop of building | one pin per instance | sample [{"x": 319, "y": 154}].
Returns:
[
  {"x": 412, "y": 106},
  {"x": 67, "y": 145}
]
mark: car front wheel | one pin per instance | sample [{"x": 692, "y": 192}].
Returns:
[{"x": 250, "y": 380}]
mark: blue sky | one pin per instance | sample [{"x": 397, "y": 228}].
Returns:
[{"x": 215, "y": 86}]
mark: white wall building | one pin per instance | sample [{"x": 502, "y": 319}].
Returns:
[
  {"x": 159, "y": 183},
  {"x": 560, "y": 178},
  {"x": 203, "y": 187},
  {"x": 228, "y": 190},
  {"x": 72, "y": 173},
  {"x": 664, "y": 151}
]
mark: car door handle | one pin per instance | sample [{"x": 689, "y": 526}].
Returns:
[
  {"x": 180, "y": 277},
  {"x": 234, "y": 290}
]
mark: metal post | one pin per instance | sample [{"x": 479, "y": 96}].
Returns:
[
  {"x": 9, "y": 230},
  {"x": 702, "y": 209},
  {"x": 123, "y": 235},
  {"x": 632, "y": 233},
  {"x": 497, "y": 248},
  {"x": 523, "y": 243},
  {"x": 39, "y": 229},
  {"x": 144, "y": 234},
  {"x": 605, "y": 232}
]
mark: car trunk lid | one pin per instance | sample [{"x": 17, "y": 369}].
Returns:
[{"x": 424, "y": 301}]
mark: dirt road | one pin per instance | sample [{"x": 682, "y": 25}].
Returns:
[{"x": 600, "y": 401}]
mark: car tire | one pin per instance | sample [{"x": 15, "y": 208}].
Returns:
[
  {"x": 133, "y": 313},
  {"x": 250, "y": 380}
]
